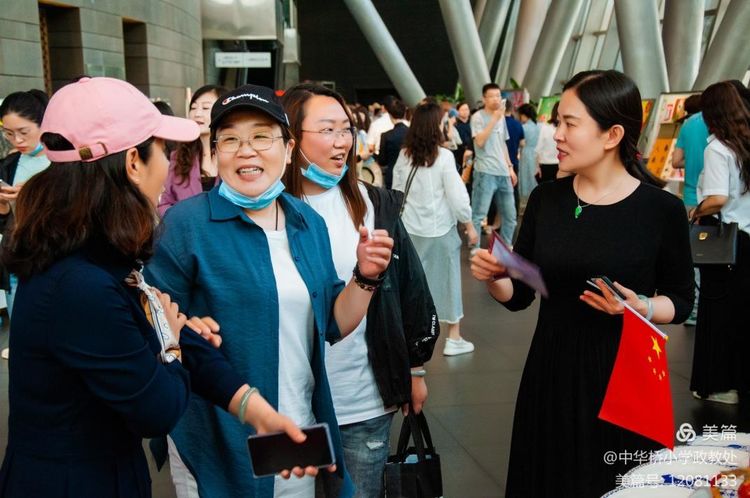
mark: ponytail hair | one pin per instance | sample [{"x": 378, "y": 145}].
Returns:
[
  {"x": 611, "y": 98},
  {"x": 28, "y": 105}
]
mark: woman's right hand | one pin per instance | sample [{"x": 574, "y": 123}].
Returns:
[
  {"x": 176, "y": 319},
  {"x": 485, "y": 267},
  {"x": 472, "y": 234},
  {"x": 261, "y": 415}
]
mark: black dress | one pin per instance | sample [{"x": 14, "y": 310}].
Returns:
[
  {"x": 642, "y": 242},
  {"x": 721, "y": 338}
]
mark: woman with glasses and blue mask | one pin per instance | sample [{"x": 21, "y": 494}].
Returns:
[
  {"x": 259, "y": 262},
  {"x": 380, "y": 366},
  {"x": 21, "y": 114}
]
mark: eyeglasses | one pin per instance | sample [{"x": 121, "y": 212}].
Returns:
[
  {"x": 16, "y": 135},
  {"x": 232, "y": 143},
  {"x": 330, "y": 133}
]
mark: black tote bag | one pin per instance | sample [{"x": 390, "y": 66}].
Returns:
[
  {"x": 414, "y": 471},
  {"x": 713, "y": 242}
]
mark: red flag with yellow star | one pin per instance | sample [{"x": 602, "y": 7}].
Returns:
[{"x": 638, "y": 396}]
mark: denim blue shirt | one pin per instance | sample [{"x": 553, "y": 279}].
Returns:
[{"x": 212, "y": 259}]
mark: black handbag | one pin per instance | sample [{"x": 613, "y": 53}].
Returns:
[
  {"x": 713, "y": 242},
  {"x": 414, "y": 471}
]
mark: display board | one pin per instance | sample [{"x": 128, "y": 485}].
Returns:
[
  {"x": 516, "y": 97},
  {"x": 663, "y": 120},
  {"x": 648, "y": 106},
  {"x": 544, "y": 111}
]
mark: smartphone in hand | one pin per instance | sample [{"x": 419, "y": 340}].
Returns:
[
  {"x": 608, "y": 284},
  {"x": 272, "y": 453}
]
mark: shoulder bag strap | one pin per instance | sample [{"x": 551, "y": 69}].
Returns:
[{"x": 409, "y": 180}]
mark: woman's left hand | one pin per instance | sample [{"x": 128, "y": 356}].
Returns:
[
  {"x": 418, "y": 395},
  {"x": 608, "y": 302},
  {"x": 373, "y": 253}
]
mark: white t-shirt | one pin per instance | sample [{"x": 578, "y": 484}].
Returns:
[
  {"x": 546, "y": 147},
  {"x": 296, "y": 335},
  {"x": 721, "y": 176},
  {"x": 355, "y": 394},
  {"x": 382, "y": 124},
  {"x": 437, "y": 198}
]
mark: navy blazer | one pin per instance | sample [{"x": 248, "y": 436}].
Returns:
[
  {"x": 390, "y": 147},
  {"x": 86, "y": 385}
]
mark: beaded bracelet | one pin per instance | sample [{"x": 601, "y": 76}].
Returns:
[
  {"x": 368, "y": 284},
  {"x": 243, "y": 403}
]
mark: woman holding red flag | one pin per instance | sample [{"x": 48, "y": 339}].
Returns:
[{"x": 611, "y": 219}]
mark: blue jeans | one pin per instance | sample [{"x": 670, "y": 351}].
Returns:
[
  {"x": 366, "y": 447},
  {"x": 11, "y": 294},
  {"x": 484, "y": 189}
]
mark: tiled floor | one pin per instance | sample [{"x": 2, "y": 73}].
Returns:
[{"x": 472, "y": 397}]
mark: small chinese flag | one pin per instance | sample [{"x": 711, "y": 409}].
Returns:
[{"x": 638, "y": 396}]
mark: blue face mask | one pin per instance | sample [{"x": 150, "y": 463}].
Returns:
[
  {"x": 321, "y": 177},
  {"x": 39, "y": 147},
  {"x": 254, "y": 203}
]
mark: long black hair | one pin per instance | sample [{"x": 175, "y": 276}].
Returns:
[
  {"x": 727, "y": 118},
  {"x": 29, "y": 105},
  {"x": 611, "y": 98},
  {"x": 422, "y": 142}
]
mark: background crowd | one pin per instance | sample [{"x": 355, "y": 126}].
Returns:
[{"x": 324, "y": 240}]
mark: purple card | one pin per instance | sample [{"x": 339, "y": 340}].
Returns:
[{"x": 516, "y": 266}]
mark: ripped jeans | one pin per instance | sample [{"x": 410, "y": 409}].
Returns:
[{"x": 366, "y": 447}]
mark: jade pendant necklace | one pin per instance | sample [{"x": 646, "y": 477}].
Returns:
[{"x": 579, "y": 207}]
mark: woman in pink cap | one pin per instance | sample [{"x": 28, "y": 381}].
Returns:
[{"x": 97, "y": 353}]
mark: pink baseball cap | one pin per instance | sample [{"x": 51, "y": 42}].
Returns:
[{"x": 102, "y": 116}]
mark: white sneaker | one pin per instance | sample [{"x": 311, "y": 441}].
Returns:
[
  {"x": 455, "y": 347},
  {"x": 728, "y": 398},
  {"x": 5, "y": 353}
]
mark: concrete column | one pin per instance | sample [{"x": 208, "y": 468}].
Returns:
[
  {"x": 479, "y": 7},
  {"x": 530, "y": 21},
  {"x": 491, "y": 27},
  {"x": 550, "y": 49},
  {"x": 386, "y": 50},
  {"x": 501, "y": 77},
  {"x": 728, "y": 57},
  {"x": 641, "y": 47},
  {"x": 682, "y": 33},
  {"x": 466, "y": 47}
]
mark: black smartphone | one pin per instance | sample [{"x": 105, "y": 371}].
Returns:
[
  {"x": 608, "y": 284},
  {"x": 272, "y": 453}
]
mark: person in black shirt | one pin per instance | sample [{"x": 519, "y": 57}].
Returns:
[{"x": 613, "y": 219}]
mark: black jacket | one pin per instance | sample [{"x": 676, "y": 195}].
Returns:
[
  {"x": 390, "y": 146},
  {"x": 402, "y": 324},
  {"x": 8, "y": 167}
]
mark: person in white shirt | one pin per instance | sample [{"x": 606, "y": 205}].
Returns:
[
  {"x": 435, "y": 200},
  {"x": 379, "y": 125},
  {"x": 547, "y": 163},
  {"x": 379, "y": 367},
  {"x": 721, "y": 338}
]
